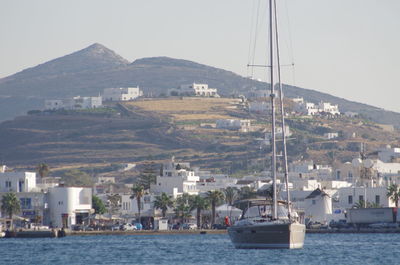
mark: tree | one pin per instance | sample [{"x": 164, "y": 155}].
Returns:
[
  {"x": 247, "y": 193},
  {"x": 148, "y": 176},
  {"x": 199, "y": 203},
  {"x": 360, "y": 204},
  {"x": 394, "y": 194},
  {"x": 10, "y": 205},
  {"x": 231, "y": 194},
  {"x": 114, "y": 201},
  {"x": 182, "y": 207},
  {"x": 42, "y": 169},
  {"x": 162, "y": 202},
  {"x": 98, "y": 205},
  {"x": 214, "y": 197},
  {"x": 138, "y": 193}
]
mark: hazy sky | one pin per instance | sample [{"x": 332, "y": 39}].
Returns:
[{"x": 348, "y": 48}]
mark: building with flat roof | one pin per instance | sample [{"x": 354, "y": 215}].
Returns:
[{"x": 121, "y": 93}]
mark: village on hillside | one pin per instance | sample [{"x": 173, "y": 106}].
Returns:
[{"x": 173, "y": 193}]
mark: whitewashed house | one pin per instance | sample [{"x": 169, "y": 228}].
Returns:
[
  {"x": 17, "y": 181},
  {"x": 74, "y": 103},
  {"x": 176, "y": 178},
  {"x": 200, "y": 90},
  {"x": 331, "y": 135},
  {"x": 327, "y": 107},
  {"x": 348, "y": 197},
  {"x": 121, "y": 93},
  {"x": 309, "y": 108},
  {"x": 129, "y": 206},
  {"x": 69, "y": 205}
]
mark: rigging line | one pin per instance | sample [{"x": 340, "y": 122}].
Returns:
[
  {"x": 289, "y": 28},
  {"x": 255, "y": 38},
  {"x": 281, "y": 109},
  {"x": 251, "y": 35}
]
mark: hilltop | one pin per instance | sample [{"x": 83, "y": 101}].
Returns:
[{"x": 88, "y": 71}]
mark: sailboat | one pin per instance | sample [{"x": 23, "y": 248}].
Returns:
[{"x": 269, "y": 222}]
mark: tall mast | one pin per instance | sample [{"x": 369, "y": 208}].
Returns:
[
  {"x": 285, "y": 162},
  {"x": 272, "y": 95}
]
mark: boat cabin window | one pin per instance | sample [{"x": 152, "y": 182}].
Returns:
[{"x": 265, "y": 211}]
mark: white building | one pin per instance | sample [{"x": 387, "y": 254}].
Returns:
[
  {"x": 17, "y": 181},
  {"x": 279, "y": 132},
  {"x": 327, "y": 107},
  {"x": 200, "y": 90},
  {"x": 368, "y": 172},
  {"x": 74, "y": 103},
  {"x": 121, "y": 94},
  {"x": 298, "y": 100},
  {"x": 231, "y": 124},
  {"x": 69, "y": 205},
  {"x": 309, "y": 108},
  {"x": 318, "y": 206},
  {"x": 129, "y": 206},
  {"x": 389, "y": 154},
  {"x": 176, "y": 178},
  {"x": 307, "y": 169},
  {"x": 329, "y": 136},
  {"x": 348, "y": 197}
]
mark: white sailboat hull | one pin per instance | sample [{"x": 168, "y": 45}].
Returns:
[{"x": 268, "y": 235}]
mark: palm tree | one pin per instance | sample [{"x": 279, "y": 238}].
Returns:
[
  {"x": 162, "y": 202},
  {"x": 10, "y": 204},
  {"x": 214, "y": 198},
  {"x": 394, "y": 194},
  {"x": 231, "y": 194},
  {"x": 199, "y": 203},
  {"x": 182, "y": 206},
  {"x": 360, "y": 204},
  {"x": 42, "y": 169},
  {"x": 138, "y": 192}
]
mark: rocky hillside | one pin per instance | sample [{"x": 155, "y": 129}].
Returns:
[{"x": 89, "y": 71}]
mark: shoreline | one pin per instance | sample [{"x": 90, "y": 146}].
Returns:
[
  {"x": 146, "y": 232},
  {"x": 213, "y": 232}
]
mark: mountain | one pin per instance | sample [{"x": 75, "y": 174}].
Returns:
[{"x": 88, "y": 71}]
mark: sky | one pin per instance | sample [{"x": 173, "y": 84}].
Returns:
[{"x": 347, "y": 48}]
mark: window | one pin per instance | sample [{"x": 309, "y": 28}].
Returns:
[
  {"x": 338, "y": 174},
  {"x": 8, "y": 184},
  {"x": 314, "y": 202},
  {"x": 361, "y": 198},
  {"x": 26, "y": 203},
  {"x": 377, "y": 199},
  {"x": 350, "y": 199}
]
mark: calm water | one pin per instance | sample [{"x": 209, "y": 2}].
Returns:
[{"x": 198, "y": 249}]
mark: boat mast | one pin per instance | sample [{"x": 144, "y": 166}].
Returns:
[
  {"x": 285, "y": 162},
  {"x": 272, "y": 95}
]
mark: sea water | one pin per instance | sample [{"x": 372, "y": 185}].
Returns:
[{"x": 198, "y": 249}]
